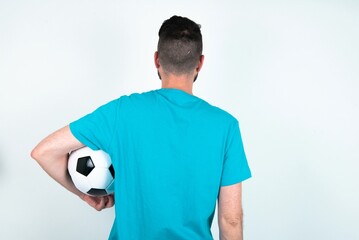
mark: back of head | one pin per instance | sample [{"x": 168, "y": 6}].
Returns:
[{"x": 180, "y": 45}]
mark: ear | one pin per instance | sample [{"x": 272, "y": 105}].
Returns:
[
  {"x": 157, "y": 60},
  {"x": 200, "y": 63}
]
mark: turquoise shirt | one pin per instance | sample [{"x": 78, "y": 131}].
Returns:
[{"x": 172, "y": 152}]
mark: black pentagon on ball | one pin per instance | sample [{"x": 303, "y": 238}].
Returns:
[
  {"x": 85, "y": 165},
  {"x": 97, "y": 192},
  {"x": 112, "y": 171}
]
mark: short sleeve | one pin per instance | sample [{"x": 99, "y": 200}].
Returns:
[
  {"x": 96, "y": 129},
  {"x": 235, "y": 165}
]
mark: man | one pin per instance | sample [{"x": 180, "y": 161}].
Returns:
[{"x": 174, "y": 154}]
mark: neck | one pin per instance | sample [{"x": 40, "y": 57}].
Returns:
[{"x": 184, "y": 83}]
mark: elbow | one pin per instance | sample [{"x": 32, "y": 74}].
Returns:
[
  {"x": 37, "y": 153},
  {"x": 232, "y": 222},
  {"x": 230, "y": 228}
]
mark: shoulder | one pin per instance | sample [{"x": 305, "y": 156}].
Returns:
[
  {"x": 137, "y": 96},
  {"x": 135, "y": 103},
  {"x": 219, "y": 113}
]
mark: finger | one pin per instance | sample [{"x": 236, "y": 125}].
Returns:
[
  {"x": 91, "y": 201},
  {"x": 98, "y": 204},
  {"x": 94, "y": 202},
  {"x": 105, "y": 200},
  {"x": 110, "y": 201}
]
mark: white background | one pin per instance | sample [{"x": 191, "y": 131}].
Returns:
[{"x": 288, "y": 70}]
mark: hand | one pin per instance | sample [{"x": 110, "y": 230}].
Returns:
[{"x": 99, "y": 203}]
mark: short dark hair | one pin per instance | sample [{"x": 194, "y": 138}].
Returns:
[{"x": 179, "y": 45}]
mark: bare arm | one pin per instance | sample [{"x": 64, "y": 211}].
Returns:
[
  {"x": 230, "y": 214},
  {"x": 52, "y": 155}
]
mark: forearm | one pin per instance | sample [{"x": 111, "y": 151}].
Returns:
[
  {"x": 52, "y": 155},
  {"x": 56, "y": 168},
  {"x": 231, "y": 229}
]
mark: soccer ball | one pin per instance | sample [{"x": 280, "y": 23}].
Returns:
[{"x": 91, "y": 171}]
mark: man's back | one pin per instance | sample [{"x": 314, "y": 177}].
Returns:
[{"x": 171, "y": 151}]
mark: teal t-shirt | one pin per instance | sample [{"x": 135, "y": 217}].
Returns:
[{"x": 171, "y": 151}]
